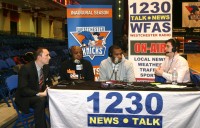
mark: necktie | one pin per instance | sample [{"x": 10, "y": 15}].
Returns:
[{"x": 41, "y": 81}]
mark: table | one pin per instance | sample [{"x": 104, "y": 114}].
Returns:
[{"x": 88, "y": 105}]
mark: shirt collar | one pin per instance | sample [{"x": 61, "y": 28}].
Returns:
[{"x": 38, "y": 67}]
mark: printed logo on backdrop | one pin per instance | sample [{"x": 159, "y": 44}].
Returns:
[
  {"x": 146, "y": 64},
  {"x": 193, "y": 9},
  {"x": 190, "y": 14},
  {"x": 147, "y": 47},
  {"x": 92, "y": 40},
  {"x": 150, "y": 24},
  {"x": 150, "y": 20}
]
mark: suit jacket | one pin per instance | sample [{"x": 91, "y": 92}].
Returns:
[{"x": 28, "y": 85}]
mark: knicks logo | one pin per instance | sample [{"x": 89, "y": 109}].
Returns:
[{"x": 92, "y": 43}]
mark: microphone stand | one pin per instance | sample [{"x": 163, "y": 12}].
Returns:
[
  {"x": 79, "y": 76},
  {"x": 116, "y": 61},
  {"x": 116, "y": 75},
  {"x": 113, "y": 72}
]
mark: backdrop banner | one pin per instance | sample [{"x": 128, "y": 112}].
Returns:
[
  {"x": 150, "y": 24},
  {"x": 141, "y": 109},
  {"x": 90, "y": 26}
]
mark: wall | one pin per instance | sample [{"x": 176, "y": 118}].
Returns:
[
  {"x": 194, "y": 61},
  {"x": 57, "y": 29},
  {"x": 25, "y": 23},
  {"x": 45, "y": 28},
  {"x": 49, "y": 29}
]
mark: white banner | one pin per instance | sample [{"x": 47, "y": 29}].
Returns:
[
  {"x": 141, "y": 109},
  {"x": 150, "y": 24}
]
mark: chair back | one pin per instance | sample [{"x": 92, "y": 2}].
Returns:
[
  {"x": 10, "y": 62},
  {"x": 12, "y": 82},
  {"x": 23, "y": 119},
  {"x": 160, "y": 79},
  {"x": 3, "y": 65},
  {"x": 195, "y": 78}
]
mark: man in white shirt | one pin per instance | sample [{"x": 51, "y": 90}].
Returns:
[
  {"x": 116, "y": 67},
  {"x": 173, "y": 60}
]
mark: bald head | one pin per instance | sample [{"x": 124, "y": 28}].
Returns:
[{"x": 76, "y": 52}]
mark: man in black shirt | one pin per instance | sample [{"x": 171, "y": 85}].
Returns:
[{"x": 69, "y": 69}]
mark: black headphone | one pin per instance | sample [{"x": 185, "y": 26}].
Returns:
[
  {"x": 175, "y": 44},
  {"x": 70, "y": 51},
  {"x": 110, "y": 51}
]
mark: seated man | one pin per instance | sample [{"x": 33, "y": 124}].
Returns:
[
  {"x": 116, "y": 67},
  {"x": 173, "y": 60},
  {"x": 69, "y": 67},
  {"x": 32, "y": 86}
]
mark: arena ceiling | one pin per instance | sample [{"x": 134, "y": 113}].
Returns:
[{"x": 45, "y": 7}]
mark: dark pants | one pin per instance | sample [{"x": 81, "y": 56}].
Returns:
[
  {"x": 160, "y": 79},
  {"x": 39, "y": 104}
]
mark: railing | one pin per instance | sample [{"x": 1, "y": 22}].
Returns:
[{"x": 32, "y": 34}]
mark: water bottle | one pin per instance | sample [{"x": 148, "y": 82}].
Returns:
[
  {"x": 125, "y": 79},
  {"x": 174, "y": 76}
]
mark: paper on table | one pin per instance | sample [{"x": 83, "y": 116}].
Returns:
[
  {"x": 170, "y": 86},
  {"x": 155, "y": 83}
]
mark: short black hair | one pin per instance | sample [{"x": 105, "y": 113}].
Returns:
[
  {"x": 111, "y": 49},
  {"x": 175, "y": 44}
]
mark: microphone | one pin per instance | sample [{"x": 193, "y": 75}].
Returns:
[
  {"x": 116, "y": 61},
  {"x": 167, "y": 52},
  {"x": 79, "y": 67},
  {"x": 76, "y": 61}
]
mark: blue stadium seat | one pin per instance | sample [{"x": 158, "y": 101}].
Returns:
[
  {"x": 195, "y": 78},
  {"x": 10, "y": 62},
  {"x": 53, "y": 54},
  {"x": 3, "y": 65},
  {"x": 3, "y": 95}
]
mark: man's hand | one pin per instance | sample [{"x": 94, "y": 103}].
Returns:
[
  {"x": 43, "y": 94},
  {"x": 158, "y": 71}
]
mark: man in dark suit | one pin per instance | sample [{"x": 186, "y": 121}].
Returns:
[{"x": 32, "y": 86}]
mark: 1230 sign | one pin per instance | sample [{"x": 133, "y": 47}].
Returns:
[
  {"x": 150, "y": 17},
  {"x": 156, "y": 7},
  {"x": 135, "y": 100}
]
